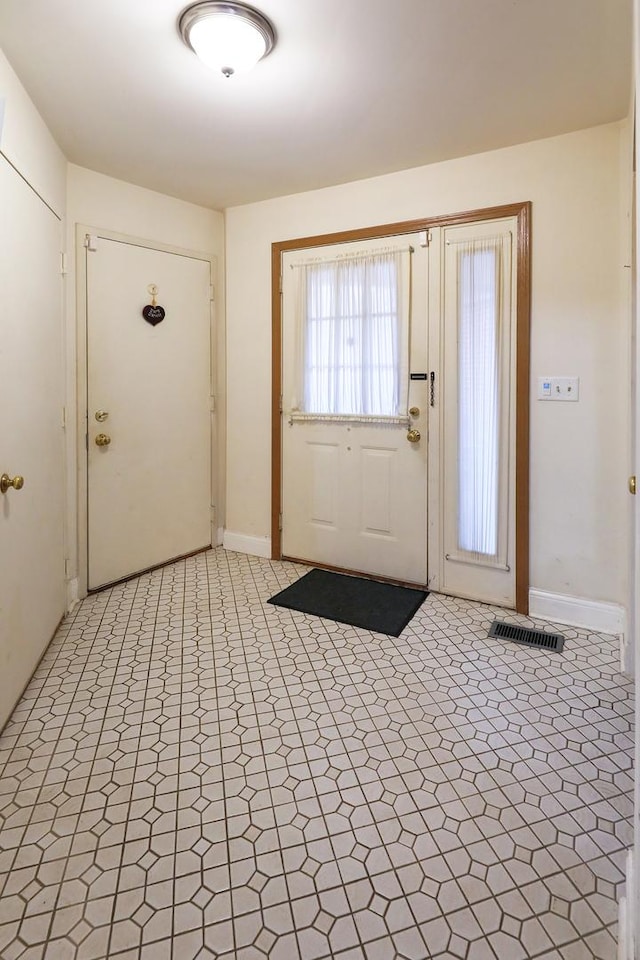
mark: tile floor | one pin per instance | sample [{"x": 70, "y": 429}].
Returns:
[{"x": 194, "y": 773}]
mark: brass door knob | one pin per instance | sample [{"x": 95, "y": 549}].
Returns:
[
  {"x": 102, "y": 440},
  {"x": 6, "y": 483},
  {"x": 413, "y": 436},
  {"x": 633, "y": 485}
]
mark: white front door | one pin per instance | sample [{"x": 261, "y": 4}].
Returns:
[
  {"x": 355, "y": 493},
  {"x": 149, "y": 390},
  {"x": 354, "y": 490},
  {"x": 32, "y": 589}
]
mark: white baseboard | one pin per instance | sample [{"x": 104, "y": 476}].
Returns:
[
  {"x": 627, "y": 655},
  {"x": 627, "y": 932},
  {"x": 241, "y": 543},
  {"x": 72, "y": 594},
  {"x": 623, "y": 946},
  {"x": 595, "y": 615}
]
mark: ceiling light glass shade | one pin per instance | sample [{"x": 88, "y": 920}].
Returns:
[{"x": 229, "y": 37}]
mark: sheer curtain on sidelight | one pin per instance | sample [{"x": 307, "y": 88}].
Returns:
[
  {"x": 352, "y": 337},
  {"x": 479, "y": 440}
]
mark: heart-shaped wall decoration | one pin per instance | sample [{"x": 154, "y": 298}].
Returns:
[{"x": 153, "y": 314}]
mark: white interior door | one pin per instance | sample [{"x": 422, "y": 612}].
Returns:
[
  {"x": 32, "y": 590},
  {"x": 149, "y": 390},
  {"x": 354, "y": 488},
  {"x": 472, "y": 436}
]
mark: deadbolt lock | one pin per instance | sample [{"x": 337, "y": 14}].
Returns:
[
  {"x": 413, "y": 436},
  {"x": 414, "y": 411},
  {"x": 102, "y": 440},
  {"x": 633, "y": 485},
  {"x": 101, "y": 415},
  {"x": 8, "y": 483}
]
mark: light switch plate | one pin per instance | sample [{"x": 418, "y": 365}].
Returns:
[
  {"x": 559, "y": 388},
  {"x": 544, "y": 388}
]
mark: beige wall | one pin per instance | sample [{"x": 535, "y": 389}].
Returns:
[
  {"x": 107, "y": 204},
  {"x": 27, "y": 143},
  {"x": 101, "y": 201},
  {"x": 579, "y": 537}
]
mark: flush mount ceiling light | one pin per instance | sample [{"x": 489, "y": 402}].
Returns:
[{"x": 230, "y": 37}]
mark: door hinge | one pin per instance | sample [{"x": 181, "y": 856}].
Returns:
[
  {"x": 86, "y": 441},
  {"x": 64, "y": 418},
  {"x": 63, "y": 263},
  {"x": 212, "y": 293},
  {"x": 279, "y": 521},
  {"x": 213, "y": 515},
  {"x": 212, "y": 404},
  {"x": 280, "y": 288},
  {"x": 281, "y": 407},
  {"x": 67, "y": 568},
  {"x": 91, "y": 242}
]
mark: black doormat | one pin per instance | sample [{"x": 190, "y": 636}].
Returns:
[{"x": 382, "y": 607}]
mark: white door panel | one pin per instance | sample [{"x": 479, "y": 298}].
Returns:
[
  {"x": 348, "y": 502},
  {"x": 376, "y": 477},
  {"x": 149, "y": 490},
  {"x": 32, "y": 587},
  {"x": 323, "y": 481}
]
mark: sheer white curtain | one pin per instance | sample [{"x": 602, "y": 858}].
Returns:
[
  {"x": 479, "y": 337},
  {"x": 352, "y": 337}
]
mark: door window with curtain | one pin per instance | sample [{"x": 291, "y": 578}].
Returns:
[{"x": 352, "y": 336}]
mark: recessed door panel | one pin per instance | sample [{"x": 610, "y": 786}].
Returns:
[
  {"x": 323, "y": 463},
  {"x": 376, "y": 483}
]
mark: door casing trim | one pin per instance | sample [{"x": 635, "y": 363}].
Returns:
[
  {"x": 217, "y": 384},
  {"x": 522, "y": 213}
]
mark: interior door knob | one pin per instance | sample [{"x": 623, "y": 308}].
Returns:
[
  {"x": 633, "y": 485},
  {"x": 6, "y": 483},
  {"x": 102, "y": 440},
  {"x": 413, "y": 436}
]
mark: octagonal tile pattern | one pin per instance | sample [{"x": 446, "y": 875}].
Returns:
[{"x": 195, "y": 774}]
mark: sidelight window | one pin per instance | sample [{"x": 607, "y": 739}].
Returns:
[{"x": 479, "y": 441}]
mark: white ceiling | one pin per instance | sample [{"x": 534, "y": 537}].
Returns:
[{"x": 354, "y": 88}]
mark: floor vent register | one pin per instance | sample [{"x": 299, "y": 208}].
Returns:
[{"x": 527, "y": 635}]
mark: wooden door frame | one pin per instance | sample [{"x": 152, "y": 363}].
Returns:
[
  {"x": 522, "y": 213},
  {"x": 216, "y": 335}
]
